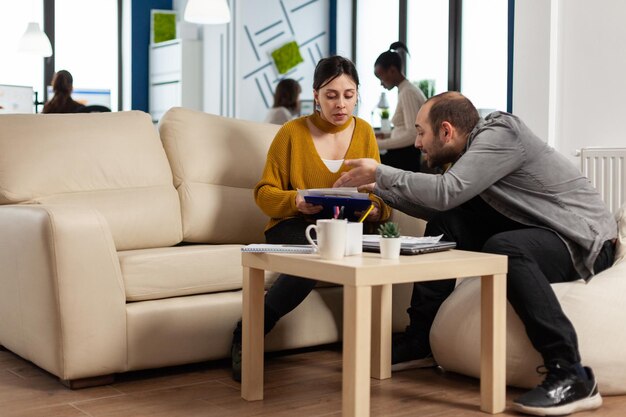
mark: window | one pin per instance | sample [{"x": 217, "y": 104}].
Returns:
[
  {"x": 18, "y": 68},
  {"x": 480, "y": 69},
  {"x": 86, "y": 44},
  {"x": 427, "y": 40},
  {"x": 484, "y": 53},
  {"x": 377, "y": 28}
]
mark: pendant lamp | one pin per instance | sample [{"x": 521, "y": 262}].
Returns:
[
  {"x": 35, "y": 42},
  {"x": 207, "y": 12}
]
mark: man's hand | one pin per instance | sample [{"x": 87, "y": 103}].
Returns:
[{"x": 362, "y": 173}]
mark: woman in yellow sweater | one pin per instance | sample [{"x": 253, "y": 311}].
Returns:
[{"x": 308, "y": 152}]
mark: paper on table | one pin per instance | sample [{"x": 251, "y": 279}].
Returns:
[
  {"x": 406, "y": 240},
  {"x": 286, "y": 248}
]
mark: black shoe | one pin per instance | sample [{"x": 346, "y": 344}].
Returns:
[
  {"x": 563, "y": 392},
  {"x": 408, "y": 353},
  {"x": 235, "y": 360},
  {"x": 235, "y": 353}
]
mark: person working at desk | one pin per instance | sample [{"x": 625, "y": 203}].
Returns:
[
  {"x": 286, "y": 102},
  {"x": 507, "y": 192},
  {"x": 309, "y": 152},
  {"x": 62, "y": 102},
  {"x": 401, "y": 152}
]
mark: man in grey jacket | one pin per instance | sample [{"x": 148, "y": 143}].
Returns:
[{"x": 506, "y": 192}]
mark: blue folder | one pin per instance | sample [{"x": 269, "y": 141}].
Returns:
[{"x": 351, "y": 206}]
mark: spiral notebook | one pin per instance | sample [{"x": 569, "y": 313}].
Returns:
[{"x": 267, "y": 247}]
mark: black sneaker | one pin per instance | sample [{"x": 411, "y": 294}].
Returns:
[
  {"x": 408, "y": 353},
  {"x": 563, "y": 392},
  {"x": 235, "y": 360}
]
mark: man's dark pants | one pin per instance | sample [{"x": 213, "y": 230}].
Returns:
[{"x": 537, "y": 257}]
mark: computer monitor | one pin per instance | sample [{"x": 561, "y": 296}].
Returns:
[
  {"x": 88, "y": 96},
  {"x": 16, "y": 99}
]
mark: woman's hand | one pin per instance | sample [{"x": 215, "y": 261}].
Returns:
[
  {"x": 307, "y": 208},
  {"x": 373, "y": 216}
]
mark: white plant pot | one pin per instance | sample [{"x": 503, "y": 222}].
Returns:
[
  {"x": 390, "y": 247},
  {"x": 385, "y": 126}
]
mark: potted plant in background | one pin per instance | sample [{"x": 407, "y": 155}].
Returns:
[
  {"x": 389, "y": 240},
  {"x": 385, "y": 123}
]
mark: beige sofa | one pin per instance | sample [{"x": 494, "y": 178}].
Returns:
[{"x": 120, "y": 246}]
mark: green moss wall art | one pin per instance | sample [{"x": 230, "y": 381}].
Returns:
[
  {"x": 286, "y": 57},
  {"x": 163, "y": 25}
]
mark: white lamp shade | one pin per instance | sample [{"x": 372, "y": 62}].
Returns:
[
  {"x": 208, "y": 12},
  {"x": 34, "y": 41},
  {"x": 383, "y": 103}
]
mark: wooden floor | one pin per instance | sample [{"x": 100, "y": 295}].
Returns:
[{"x": 300, "y": 383}]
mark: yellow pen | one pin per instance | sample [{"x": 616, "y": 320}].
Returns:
[{"x": 367, "y": 212}]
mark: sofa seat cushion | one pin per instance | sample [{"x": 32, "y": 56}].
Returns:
[{"x": 151, "y": 274}]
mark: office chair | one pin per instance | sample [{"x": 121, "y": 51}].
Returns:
[{"x": 94, "y": 108}]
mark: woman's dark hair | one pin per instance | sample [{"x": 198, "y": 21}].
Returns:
[
  {"x": 63, "y": 83},
  {"x": 328, "y": 69},
  {"x": 286, "y": 95},
  {"x": 392, "y": 57},
  {"x": 62, "y": 102}
]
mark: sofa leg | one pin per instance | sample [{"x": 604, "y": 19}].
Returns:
[{"x": 94, "y": 381}]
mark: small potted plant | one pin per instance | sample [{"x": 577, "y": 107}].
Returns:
[
  {"x": 385, "y": 123},
  {"x": 389, "y": 240}
]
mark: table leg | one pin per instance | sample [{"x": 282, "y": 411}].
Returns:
[
  {"x": 493, "y": 344},
  {"x": 357, "y": 322},
  {"x": 252, "y": 335},
  {"x": 381, "y": 331}
]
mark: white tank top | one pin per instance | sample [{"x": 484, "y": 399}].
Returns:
[{"x": 333, "y": 165}]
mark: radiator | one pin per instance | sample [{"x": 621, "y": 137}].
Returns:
[{"x": 606, "y": 169}]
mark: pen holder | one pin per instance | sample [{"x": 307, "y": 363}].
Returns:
[{"x": 354, "y": 239}]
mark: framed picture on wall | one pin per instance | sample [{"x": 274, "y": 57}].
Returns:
[{"x": 162, "y": 25}]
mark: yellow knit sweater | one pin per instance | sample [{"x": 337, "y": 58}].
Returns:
[{"x": 293, "y": 163}]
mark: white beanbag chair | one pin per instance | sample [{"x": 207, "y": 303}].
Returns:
[{"x": 597, "y": 310}]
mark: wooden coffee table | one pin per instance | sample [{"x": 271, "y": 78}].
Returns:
[{"x": 367, "y": 280}]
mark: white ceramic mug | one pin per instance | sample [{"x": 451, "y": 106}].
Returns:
[
  {"x": 354, "y": 239},
  {"x": 331, "y": 237}
]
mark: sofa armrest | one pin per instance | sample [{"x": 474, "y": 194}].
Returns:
[
  {"x": 409, "y": 225},
  {"x": 62, "y": 298}
]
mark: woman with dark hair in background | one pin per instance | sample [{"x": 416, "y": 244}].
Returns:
[
  {"x": 400, "y": 144},
  {"x": 308, "y": 152},
  {"x": 286, "y": 102},
  {"x": 62, "y": 102}
]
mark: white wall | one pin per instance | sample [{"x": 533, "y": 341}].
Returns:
[
  {"x": 531, "y": 57},
  {"x": 573, "y": 97},
  {"x": 239, "y": 77}
]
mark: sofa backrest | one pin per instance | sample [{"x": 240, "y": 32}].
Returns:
[
  {"x": 113, "y": 162},
  {"x": 216, "y": 162}
]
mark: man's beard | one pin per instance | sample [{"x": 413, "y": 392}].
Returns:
[{"x": 440, "y": 155}]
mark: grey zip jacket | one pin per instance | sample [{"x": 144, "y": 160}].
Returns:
[{"x": 518, "y": 175}]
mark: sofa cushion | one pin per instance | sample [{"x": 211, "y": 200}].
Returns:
[
  {"x": 151, "y": 274},
  {"x": 596, "y": 309},
  {"x": 216, "y": 162},
  {"x": 112, "y": 162}
]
